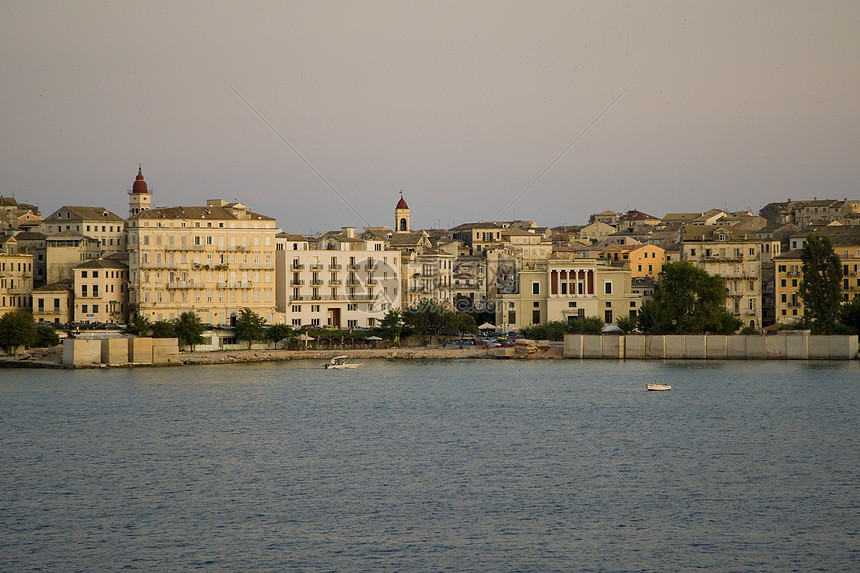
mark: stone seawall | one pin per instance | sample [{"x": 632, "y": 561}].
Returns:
[{"x": 711, "y": 347}]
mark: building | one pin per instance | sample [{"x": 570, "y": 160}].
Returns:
[
  {"x": 66, "y": 250},
  {"x": 101, "y": 292},
  {"x": 16, "y": 278},
  {"x": 788, "y": 273},
  {"x": 53, "y": 303},
  {"x": 734, "y": 256},
  {"x": 816, "y": 211},
  {"x": 213, "y": 260},
  {"x": 338, "y": 280},
  {"x": 569, "y": 290},
  {"x": 94, "y": 222}
]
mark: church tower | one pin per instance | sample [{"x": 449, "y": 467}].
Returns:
[
  {"x": 139, "y": 196},
  {"x": 401, "y": 216}
]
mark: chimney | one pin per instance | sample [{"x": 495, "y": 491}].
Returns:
[{"x": 348, "y": 232}]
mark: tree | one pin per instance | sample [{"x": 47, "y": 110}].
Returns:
[
  {"x": 849, "y": 314},
  {"x": 139, "y": 325},
  {"x": 391, "y": 325},
  {"x": 46, "y": 336},
  {"x": 249, "y": 326},
  {"x": 278, "y": 332},
  {"x": 17, "y": 329},
  {"x": 163, "y": 329},
  {"x": 821, "y": 286},
  {"x": 689, "y": 301},
  {"x": 626, "y": 323},
  {"x": 189, "y": 329}
]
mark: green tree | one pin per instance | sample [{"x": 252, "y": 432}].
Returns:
[
  {"x": 689, "y": 301},
  {"x": 279, "y": 332},
  {"x": 391, "y": 325},
  {"x": 849, "y": 314},
  {"x": 139, "y": 325},
  {"x": 626, "y": 323},
  {"x": 163, "y": 329},
  {"x": 189, "y": 329},
  {"x": 46, "y": 337},
  {"x": 821, "y": 286},
  {"x": 17, "y": 329},
  {"x": 250, "y": 326}
]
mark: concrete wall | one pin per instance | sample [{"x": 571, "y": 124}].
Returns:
[
  {"x": 114, "y": 350},
  {"x": 140, "y": 350},
  {"x": 714, "y": 347},
  {"x": 77, "y": 353},
  {"x": 165, "y": 351}
]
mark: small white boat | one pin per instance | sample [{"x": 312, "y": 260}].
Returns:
[
  {"x": 657, "y": 387},
  {"x": 340, "y": 363}
]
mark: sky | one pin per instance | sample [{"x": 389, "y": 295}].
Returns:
[{"x": 319, "y": 113}]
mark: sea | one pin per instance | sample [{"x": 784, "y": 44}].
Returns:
[{"x": 451, "y": 465}]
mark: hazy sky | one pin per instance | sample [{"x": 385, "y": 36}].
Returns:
[{"x": 460, "y": 104}]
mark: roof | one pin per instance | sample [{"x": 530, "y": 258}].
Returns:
[
  {"x": 291, "y": 237},
  {"x": 402, "y": 203},
  {"x": 30, "y": 236},
  {"x": 53, "y": 287},
  {"x": 86, "y": 214},
  {"x": 101, "y": 264},
  {"x": 198, "y": 212}
]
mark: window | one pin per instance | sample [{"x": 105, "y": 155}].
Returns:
[
  {"x": 607, "y": 289},
  {"x": 535, "y": 288}
]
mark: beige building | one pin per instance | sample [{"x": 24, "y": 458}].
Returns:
[
  {"x": 101, "y": 292},
  {"x": 53, "y": 303},
  {"x": 66, "y": 250},
  {"x": 213, "y": 260},
  {"x": 16, "y": 279},
  {"x": 95, "y": 222},
  {"x": 338, "y": 280},
  {"x": 567, "y": 290},
  {"x": 428, "y": 275},
  {"x": 734, "y": 256}
]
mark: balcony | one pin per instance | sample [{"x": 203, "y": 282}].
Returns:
[
  {"x": 184, "y": 285},
  {"x": 297, "y": 282},
  {"x": 369, "y": 266},
  {"x": 372, "y": 281},
  {"x": 334, "y": 282},
  {"x": 317, "y": 282},
  {"x": 317, "y": 267},
  {"x": 22, "y": 290},
  {"x": 353, "y": 282},
  {"x": 354, "y": 266},
  {"x": 297, "y": 267},
  {"x": 794, "y": 273},
  {"x": 235, "y": 285},
  {"x": 335, "y": 267}
]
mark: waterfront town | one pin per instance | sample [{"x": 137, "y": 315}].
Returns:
[{"x": 87, "y": 266}]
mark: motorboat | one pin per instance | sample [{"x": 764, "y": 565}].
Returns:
[
  {"x": 340, "y": 363},
  {"x": 657, "y": 387}
]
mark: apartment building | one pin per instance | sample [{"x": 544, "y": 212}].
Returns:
[
  {"x": 428, "y": 275},
  {"x": 53, "y": 303},
  {"x": 789, "y": 269},
  {"x": 213, "y": 260},
  {"x": 338, "y": 280},
  {"x": 16, "y": 279},
  {"x": 101, "y": 292},
  {"x": 734, "y": 256},
  {"x": 98, "y": 223}
]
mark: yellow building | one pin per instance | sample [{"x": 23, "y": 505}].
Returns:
[
  {"x": 788, "y": 269},
  {"x": 52, "y": 303},
  {"x": 567, "y": 290},
  {"x": 95, "y": 222},
  {"x": 101, "y": 292},
  {"x": 213, "y": 260},
  {"x": 16, "y": 281}
]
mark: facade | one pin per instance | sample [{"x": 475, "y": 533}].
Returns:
[
  {"x": 53, "y": 303},
  {"x": 16, "y": 281},
  {"x": 428, "y": 275},
  {"x": 35, "y": 244},
  {"x": 816, "y": 211},
  {"x": 94, "y": 222},
  {"x": 213, "y": 260},
  {"x": 66, "y": 250},
  {"x": 101, "y": 292},
  {"x": 337, "y": 281},
  {"x": 788, "y": 270},
  {"x": 569, "y": 290},
  {"x": 736, "y": 257}
]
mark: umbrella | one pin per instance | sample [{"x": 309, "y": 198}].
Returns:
[
  {"x": 373, "y": 338},
  {"x": 305, "y": 337},
  {"x": 487, "y": 326},
  {"x": 611, "y": 328}
]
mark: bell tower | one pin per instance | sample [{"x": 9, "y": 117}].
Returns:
[
  {"x": 401, "y": 216},
  {"x": 139, "y": 196}
]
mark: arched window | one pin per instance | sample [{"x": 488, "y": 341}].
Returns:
[{"x": 403, "y": 225}]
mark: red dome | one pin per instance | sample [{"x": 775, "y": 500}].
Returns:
[
  {"x": 402, "y": 204},
  {"x": 139, "y": 184}
]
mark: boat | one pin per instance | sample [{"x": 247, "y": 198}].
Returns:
[
  {"x": 657, "y": 387},
  {"x": 340, "y": 363}
]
